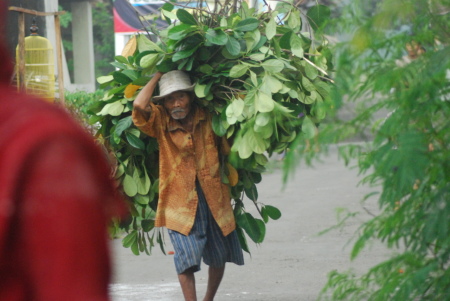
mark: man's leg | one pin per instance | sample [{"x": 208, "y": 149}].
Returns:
[
  {"x": 187, "y": 282},
  {"x": 215, "y": 276}
]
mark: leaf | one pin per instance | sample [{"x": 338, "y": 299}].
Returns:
[
  {"x": 238, "y": 70},
  {"x": 129, "y": 239},
  {"x": 318, "y": 15},
  {"x": 132, "y": 74},
  {"x": 273, "y": 84},
  {"x": 294, "y": 20},
  {"x": 168, "y": 14},
  {"x": 271, "y": 29},
  {"x": 233, "y": 177},
  {"x": 105, "y": 79},
  {"x": 179, "y": 32},
  {"x": 273, "y": 212},
  {"x": 134, "y": 141},
  {"x": 216, "y": 36},
  {"x": 308, "y": 128},
  {"x": 242, "y": 240},
  {"x": 149, "y": 60},
  {"x": 248, "y": 24},
  {"x": 262, "y": 119},
  {"x": 264, "y": 102},
  {"x": 144, "y": 44},
  {"x": 114, "y": 109},
  {"x": 296, "y": 46},
  {"x": 262, "y": 230},
  {"x": 130, "y": 90},
  {"x": 200, "y": 90},
  {"x": 130, "y": 47},
  {"x": 142, "y": 182},
  {"x": 122, "y": 125},
  {"x": 185, "y": 17},
  {"x": 147, "y": 224},
  {"x": 273, "y": 65},
  {"x": 247, "y": 222},
  {"x": 307, "y": 84},
  {"x": 255, "y": 141},
  {"x": 179, "y": 55},
  {"x": 121, "y": 59},
  {"x": 233, "y": 46},
  {"x": 257, "y": 56},
  {"x": 217, "y": 126},
  {"x": 121, "y": 78},
  {"x": 244, "y": 149},
  {"x": 129, "y": 186}
]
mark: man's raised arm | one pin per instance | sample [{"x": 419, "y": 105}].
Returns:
[{"x": 142, "y": 101}]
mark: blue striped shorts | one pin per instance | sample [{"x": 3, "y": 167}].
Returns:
[{"x": 204, "y": 241}]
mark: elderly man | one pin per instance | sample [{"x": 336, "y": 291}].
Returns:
[{"x": 194, "y": 204}]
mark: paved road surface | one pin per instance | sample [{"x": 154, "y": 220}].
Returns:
[{"x": 291, "y": 264}]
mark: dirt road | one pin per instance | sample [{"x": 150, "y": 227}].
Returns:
[{"x": 291, "y": 264}]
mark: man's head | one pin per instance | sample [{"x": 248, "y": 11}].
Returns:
[
  {"x": 178, "y": 104},
  {"x": 175, "y": 93}
]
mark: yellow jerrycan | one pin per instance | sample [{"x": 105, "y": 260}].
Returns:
[{"x": 39, "y": 65}]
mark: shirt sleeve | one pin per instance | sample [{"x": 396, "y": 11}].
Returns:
[
  {"x": 151, "y": 126},
  {"x": 63, "y": 235}
]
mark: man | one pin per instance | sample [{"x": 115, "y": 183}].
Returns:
[
  {"x": 193, "y": 204},
  {"x": 56, "y": 198}
]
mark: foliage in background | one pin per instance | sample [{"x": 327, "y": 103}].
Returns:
[
  {"x": 103, "y": 35},
  {"x": 406, "y": 106},
  {"x": 77, "y": 103},
  {"x": 262, "y": 74}
]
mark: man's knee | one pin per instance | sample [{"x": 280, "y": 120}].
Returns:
[{"x": 190, "y": 270}]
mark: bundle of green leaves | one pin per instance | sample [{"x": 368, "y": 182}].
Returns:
[{"x": 261, "y": 75}]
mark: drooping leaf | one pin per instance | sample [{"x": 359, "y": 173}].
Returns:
[
  {"x": 247, "y": 222},
  {"x": 308, "y": 128},
  {"x": 318, "y": 15},
  {"x": 185, "y": 17},
  {"x": 273, "y": 212},
  {"x": 129, "y": 186}
]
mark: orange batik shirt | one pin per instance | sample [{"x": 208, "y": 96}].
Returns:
[{"x": 183, "y": 157}]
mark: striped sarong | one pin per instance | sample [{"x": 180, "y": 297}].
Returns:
[{"x": 204, "y": 241}]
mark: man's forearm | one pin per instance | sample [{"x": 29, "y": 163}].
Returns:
[{"x": 142, "y": 101}]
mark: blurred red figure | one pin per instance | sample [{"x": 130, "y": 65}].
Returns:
[{"x": 56, "y": 198}]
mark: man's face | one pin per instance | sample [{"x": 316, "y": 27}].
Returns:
[{"x": 178, "y": 104}]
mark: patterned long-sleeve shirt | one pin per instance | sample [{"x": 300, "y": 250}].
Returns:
[{"x": 183, "y": 157}]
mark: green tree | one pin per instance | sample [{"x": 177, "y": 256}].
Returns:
[{"x": 404, "y": 104}]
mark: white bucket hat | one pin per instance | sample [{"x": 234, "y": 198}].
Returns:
[{"x": 173, "y": 81}]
